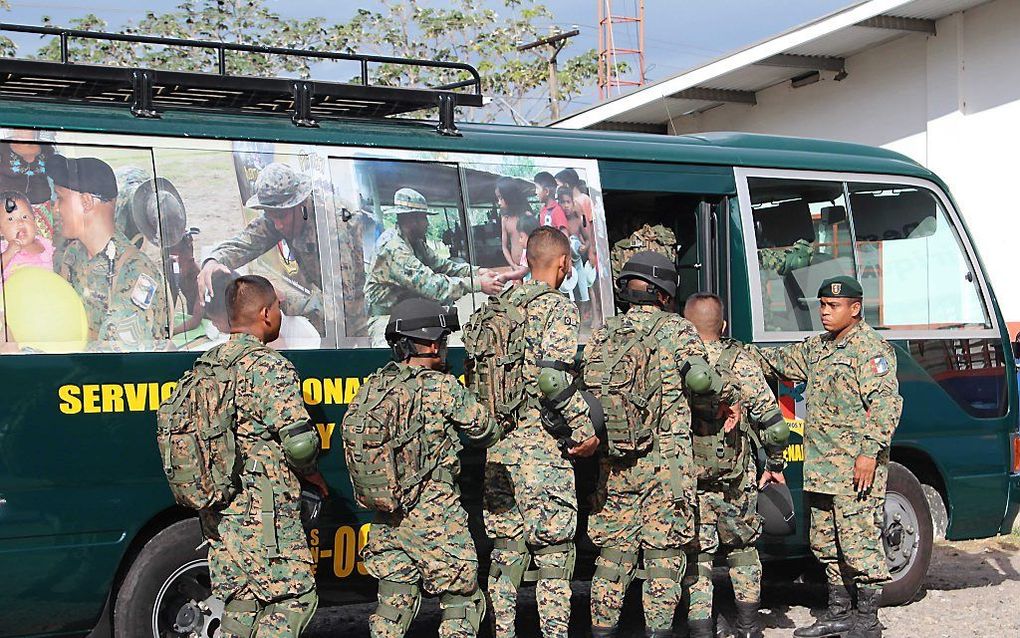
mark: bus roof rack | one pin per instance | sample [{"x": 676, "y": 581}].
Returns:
[{"x": 148, "y": 91}]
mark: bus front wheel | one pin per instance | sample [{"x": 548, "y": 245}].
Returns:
[
  {"x": 167, "y": 591},
  {"x": 907, "y": 536}
]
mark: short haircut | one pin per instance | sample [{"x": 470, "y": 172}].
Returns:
[
  {"x": 569, "y": 177},
  {"x": 546, "y": 180},
  {"x": 527, "y": 224},
  {"x": 705, "y": 311},
  {"x": 247, "y": 295},
  {"x": 14, "y": 196},
  {"x": 546, "y": 244},
  {"x": 220, "y": 282},
  {"x": 564, "y": 191}
]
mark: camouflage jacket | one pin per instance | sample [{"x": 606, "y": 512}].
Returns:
[
  {"x": 853, "y": 403},
  {"x": 403, "y": 270},
  {"x": 782, "y": 260},
  {"x": 124, "y": 295},
  {"x": 657, "y": 238},
  {"x": 551, "y": 335}
]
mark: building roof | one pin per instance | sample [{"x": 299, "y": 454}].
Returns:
[{"x": 820, "y": 46}]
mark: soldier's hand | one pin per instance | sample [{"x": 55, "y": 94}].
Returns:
[
  {"x": 205, "y": 277},
  {"x": 864, "y": 473},
  {"x": 491, "y": 285},
  {"x": 586, "y": 448},
  {"x": 732, "y": 415},
  {"x": 771, "y": 477},
  {"x": 318, "y": 481}
]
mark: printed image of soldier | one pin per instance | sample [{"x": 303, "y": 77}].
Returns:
[
  {"x": 728, "y": 523},
  {"x": 644, "y": 506},
  {"x": 284, "y": 197},
  {"x": 853, "y": 408},
  {"x": 406, "y": 267},
  {"x": 122, "y": 289},
  {"x": 425, "y": 543},
  {"x": 529, "y": 502},
  {"x": 259, "y": 559}
]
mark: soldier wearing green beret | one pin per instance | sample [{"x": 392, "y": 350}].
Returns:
[{"x": 853, "y": 407}]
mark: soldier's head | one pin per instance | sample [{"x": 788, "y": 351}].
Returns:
[
  {"x": 215, "y": 309},
  {"x": 840, "y": 303},
  {"x": 86, "y": 191},
  {"x": 282, "y": 194},
  {"x": 549, "y": 255},
  {"x": 648, "y": 278},
  {"x": 412, "y": 213},
  {"x": 418, "y": 331},
  {"x": 254, "y": 308},
  {"x": 705, "y": 311},
  {"x": 149, "y": 207}
]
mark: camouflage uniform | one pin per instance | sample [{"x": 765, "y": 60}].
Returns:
[
  {"x": 258, "y": 554},
  {"x": 647, "y": 504},
  {"x": 429, "y": 545},
  {"x": 657, "y": 238},
  {"x": 123, "y": 292},
  {"x": 728, "y": 522},
  {"x": 529, "y": 499},
  {"x": 782, "y": 260},
  {"x": 853, "y": 406}
]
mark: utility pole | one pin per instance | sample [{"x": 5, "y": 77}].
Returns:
[{"x": 556, "y": 42}]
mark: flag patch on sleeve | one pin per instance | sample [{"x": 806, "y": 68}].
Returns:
[{"x": 879, "y": 366}]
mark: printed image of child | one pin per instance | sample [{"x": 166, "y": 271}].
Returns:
[
  {"x": 525, "y": 226},
  {"x": 551, "y": 213},
  {"x": 21, "y": 244}
]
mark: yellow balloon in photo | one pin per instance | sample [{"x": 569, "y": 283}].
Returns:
[{"x": 44, "y": 312}]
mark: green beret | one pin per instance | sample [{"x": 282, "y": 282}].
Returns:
[{"x": 843, "y": 286}]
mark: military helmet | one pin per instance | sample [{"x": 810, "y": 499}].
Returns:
[
  {"x": 129, "y": 178},
  {"x": 421, "y": 319},
  {"x": 155, "y": 204},
  {"x": 775, "y": 507},
  {"x": 279, "y": 186},
  {"x": 652, "y": 267},
  {"x": 408, "y": 200}
]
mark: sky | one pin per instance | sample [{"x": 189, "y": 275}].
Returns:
[{"x": 679, "y": 34}]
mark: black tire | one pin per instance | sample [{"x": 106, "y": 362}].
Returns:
[
  {"x": 166, "y": 591},
  {"x": 912, "y": 533}
]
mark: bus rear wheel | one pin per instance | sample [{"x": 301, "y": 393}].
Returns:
[
  {"x": 907, "y": 536},
  {"x": 167, "y": 592}
]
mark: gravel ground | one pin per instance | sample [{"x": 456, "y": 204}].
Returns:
[{"x": 972, "y": 590}]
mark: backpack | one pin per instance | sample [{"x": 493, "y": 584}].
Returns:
[
  {"x": 625, "y": 374},
  {"x": 656, "y": 238},
  {"x": 719, "y": 455},
  {"x": 387, "y": 459},
  {"x": 195, "y": 431},
  {"x": 494, "y": 346}
]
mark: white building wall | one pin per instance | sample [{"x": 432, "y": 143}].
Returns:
[{"x": 951, "y": 102}]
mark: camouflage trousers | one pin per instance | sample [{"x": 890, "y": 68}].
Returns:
[
  {"x": 531, "y": 506},
  {"x": 728, "y": 526},
  {"x": 634, "y": 511},
  {"x": 846, "y": 537},
  {"x": 430, "y": 548}
]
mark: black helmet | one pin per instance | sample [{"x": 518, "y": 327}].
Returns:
[
  {"x": 421, "y": 319},
  {"x": 652, "y": 267},
  {"x": 775, "y": 507}
]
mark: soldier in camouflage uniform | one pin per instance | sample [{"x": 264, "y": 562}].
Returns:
[
  {"x": 783, "y": 260},
  {"x": 406, "y": 267},
  {"x": 428, "y": 545},
  {"x": 728, "y": 523},
  {"x": 284, "y": 197},
  {"x": 259, "y": 559},
  {"x": 530, "y": 504},
  {"x": 853, "y": 407},
  {"x": 645, "y": 504},
  {"x": 656, "y": 238},
  {"x": 122, "y": 289}
]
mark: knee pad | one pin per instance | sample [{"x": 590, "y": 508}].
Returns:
[
  {"x": 703, "y": 566},
  {"x": 652, "y": 571},
  {"x": 297, "y": 620},
  {"x": 623, "y": 567},
  {"x": 562, "y": 571},
  {"x": 746, "y": 557},
  {"x": 511, "y": 570},
  {"x": 469, "y": 608},
  {"x": 240, "y": 618},
  {"x": 400, "y": 617}
]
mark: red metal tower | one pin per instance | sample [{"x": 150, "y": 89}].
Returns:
[{"x": 618, "y": 47}]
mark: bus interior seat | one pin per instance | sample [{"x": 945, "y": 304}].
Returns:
[{"x": 784, "y": 224}]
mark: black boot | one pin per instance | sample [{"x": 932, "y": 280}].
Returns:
[
  {"x": 700, "y": 628},
  {"x": 658, "y": 633},
  {"x": 834, "y": 621},
  {"x": 867, "y": 625},
  {"x": 603, "y": 632},
  {"x": 748, "y": 622}
]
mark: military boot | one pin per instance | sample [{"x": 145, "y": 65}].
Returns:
[
  {"x": 700, "y": 628},
  {"x": 658, "y": 633},
  {"x": 867, "y": 625},
  {"x": 603, "y": 632},
  {"x": 834, "y": 621},
  {"x": 748, "y": 623}
]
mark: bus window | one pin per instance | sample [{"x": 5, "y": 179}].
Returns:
[
  {"x": 912, "y": 265},
  {"x": 803, "y": 238},
  {"x": 249, "y": 211},
  {"x": 67, "y": 211},
  {"x": 401, "y": 234}
]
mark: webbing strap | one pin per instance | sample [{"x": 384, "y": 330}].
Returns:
[
  {"x": 393, "y": 614},
  {"x": 662, "y": 553},
  {"x": 393, "y": 588},
  {"x": 746, "y": 557},
  {"x": 652, "y": 573},
  {"x": 616, "y": 572},
  {"x": 558, "y": 548},
  {"x": 240, "y": 617},
  {"x": 618, "y": 556},
  {"x": 236, "y": 606},
  {"x": 515, "y": 545}
]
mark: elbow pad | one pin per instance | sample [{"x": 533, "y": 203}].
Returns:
[
  {"x": 776, "y": 433},
  {"x": 699, "y": 377},
  {"x": 300, "y": 445},
  {"x": 556, "y": 384}
]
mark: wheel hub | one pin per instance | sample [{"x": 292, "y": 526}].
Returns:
[
  {"x": 185, "y": 606},
  {"x": 899, "y": 533}
]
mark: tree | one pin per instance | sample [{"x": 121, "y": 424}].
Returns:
[{"x": 7, "y": 48}]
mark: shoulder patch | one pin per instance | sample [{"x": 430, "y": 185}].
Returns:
[
  {"x": 144, "y": 291},
  {"x": 879, "y": 365}
]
